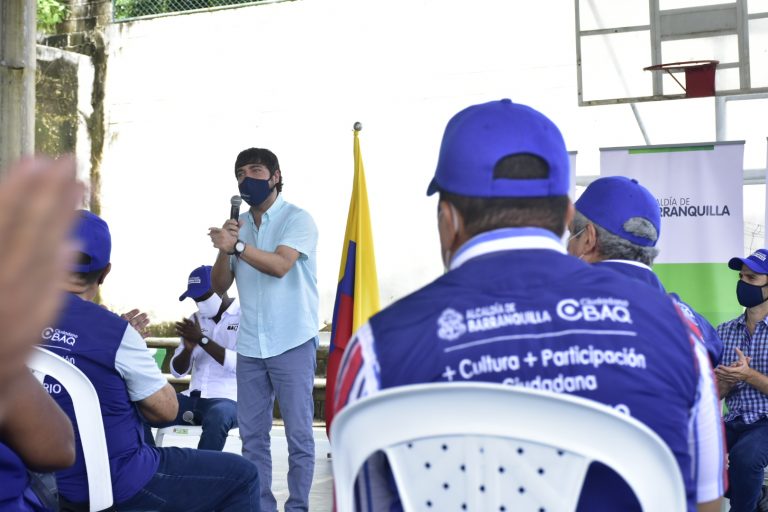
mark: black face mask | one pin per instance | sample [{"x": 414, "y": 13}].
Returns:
[{"x": 749, "y": 295}]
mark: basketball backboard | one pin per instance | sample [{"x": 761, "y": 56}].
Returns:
[{"x": 615, "y": 40}]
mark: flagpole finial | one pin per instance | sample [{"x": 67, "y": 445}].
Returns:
[{"x": 358, "y": 126}]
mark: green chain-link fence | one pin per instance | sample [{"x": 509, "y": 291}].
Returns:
[{"x": 124, "y": 9}]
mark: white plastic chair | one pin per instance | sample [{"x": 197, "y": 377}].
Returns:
[
  {"x": 89, "y": 422},
  {"x": 480, "y": 446}
]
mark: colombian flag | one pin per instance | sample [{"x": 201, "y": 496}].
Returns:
[{"x": 357, "y": 296}]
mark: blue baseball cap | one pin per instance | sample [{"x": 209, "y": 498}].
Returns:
[
  {"x": 610, "y": 202},
  {"x": 479, "y": 136},
  {"x": 199, "y": 283},
  {"x": 757, "y": 262},
  {"x": 92, "y": 233}
]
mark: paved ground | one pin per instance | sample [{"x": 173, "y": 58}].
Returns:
[{"x": 322, "y": 486}]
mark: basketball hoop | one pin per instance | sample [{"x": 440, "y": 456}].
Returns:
[{"x": 699, "y": 76}]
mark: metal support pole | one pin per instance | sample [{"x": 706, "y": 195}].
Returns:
[
  {"x": 18, "y": 27},
  {"x": 720, "y": 118},
  {"x": 640, "y": 124}
]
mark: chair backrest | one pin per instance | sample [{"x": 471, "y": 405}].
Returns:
[
  {"x": 89, "y": 422},
  {"x": 480, "y": 446}
]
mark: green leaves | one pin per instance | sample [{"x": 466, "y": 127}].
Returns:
[
  {"x": 49, "y": 13},
  {"x": 124, "y": 9}
]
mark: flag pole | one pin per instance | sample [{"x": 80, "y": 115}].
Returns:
[{"x": 357, "y": 294}]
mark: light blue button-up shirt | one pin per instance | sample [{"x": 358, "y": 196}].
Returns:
[{"x": 277, "y": 313}]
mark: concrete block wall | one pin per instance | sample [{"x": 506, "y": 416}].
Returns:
[
  {"x": 63, "y": 96},
  {"x": 82, "y": 32},
  {"x": 75, "y": 33}
]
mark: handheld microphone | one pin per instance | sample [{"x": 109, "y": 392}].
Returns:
[
  {"x": 234, "y": 211},
  {"x": 188, "y": 417}
]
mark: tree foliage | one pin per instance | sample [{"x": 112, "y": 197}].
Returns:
[
  {"x": 50, "y": 13},
  {"x": 135, "y": 8}
]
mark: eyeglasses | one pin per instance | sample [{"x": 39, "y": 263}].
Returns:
[{"x": 576, "y": 235}]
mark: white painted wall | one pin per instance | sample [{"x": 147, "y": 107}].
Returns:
[{"x": 186, "y": 93}]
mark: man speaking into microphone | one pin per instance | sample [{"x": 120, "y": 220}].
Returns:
[{"x": 270, "y": 252}]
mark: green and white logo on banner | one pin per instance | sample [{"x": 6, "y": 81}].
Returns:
[{"x": 699, "y": 191}]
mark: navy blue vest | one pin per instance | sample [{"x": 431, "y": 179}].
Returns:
[
  {"x": 493, "y": 319},
  {"x": 88, "y": 336},
  {"x": 712, "y": 341},
  {"x": 13, "y": 481}
]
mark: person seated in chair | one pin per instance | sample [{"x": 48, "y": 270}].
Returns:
[
  {"x": 742, "y": 378},
  {"x": 37, "y": 201},
  {"x": 616, "y": 226},
  {"x": 28, "y": 445},
  {"x": 208, "y": 349},
  {"x": 514, "y": 309},
  {"x": 131, "y": 388}
]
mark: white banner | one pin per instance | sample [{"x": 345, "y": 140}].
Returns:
[{"x": 699, "y": 191}]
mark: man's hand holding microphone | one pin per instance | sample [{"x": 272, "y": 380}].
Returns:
[{"x": 225, "y": 238}]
